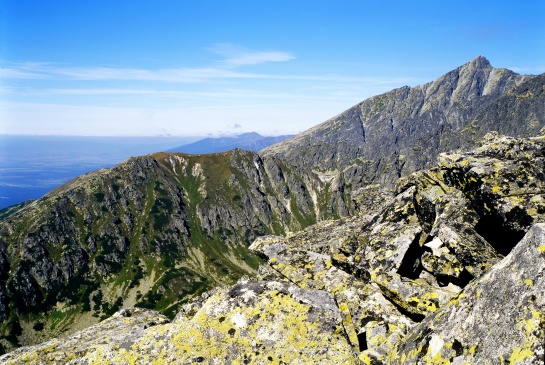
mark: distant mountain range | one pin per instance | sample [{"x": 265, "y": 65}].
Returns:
[{"x": 247, "y": 141}]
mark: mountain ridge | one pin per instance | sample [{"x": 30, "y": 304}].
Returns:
[
  {"x": 159, "y": 230},
  {"x": 403, "y": 130},
  {"x": 447, "y": 268},
  {"x": 152, "y": 231}
]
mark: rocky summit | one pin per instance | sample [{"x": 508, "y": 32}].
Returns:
[
  {"x": 446, "y": 268},
  {"x": 404, "y": 130}
]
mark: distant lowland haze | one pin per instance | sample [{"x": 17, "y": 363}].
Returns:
[{"x": 31, "y": 166}]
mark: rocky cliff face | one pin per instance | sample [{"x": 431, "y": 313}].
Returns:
[
  {"x": 150, "y": 232},
  {"x": 402, "y": 131},
  {"x": 447, "y": 268}
]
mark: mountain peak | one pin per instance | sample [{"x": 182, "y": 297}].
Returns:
[
  {"x": 477, "y": 64},
  {"x": 402, "y": 120},
  {"x": 250, "y": 135},
  {"x": 480, "y": 62}
]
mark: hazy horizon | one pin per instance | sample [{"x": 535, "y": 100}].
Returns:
[{"x": 31, "y": 166}]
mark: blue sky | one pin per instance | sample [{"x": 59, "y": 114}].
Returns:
[{"x": 196, "y": 68}]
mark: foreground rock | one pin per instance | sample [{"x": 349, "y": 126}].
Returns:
[
  {"x": 448, "y": 268},
  {"x": 499, "y": 318},
  {"x": 115, "y": 332},
  {"x": 252, "y": 322}
]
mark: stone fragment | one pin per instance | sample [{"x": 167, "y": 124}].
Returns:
[{"x": 416, "y": 298}]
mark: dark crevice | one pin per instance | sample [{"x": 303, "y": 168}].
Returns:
[
  {"x": 500, "y": 236},
  {"x": 462, "y": 281},
  {"x": 425, "y": 211},
  {"x": 444, "y": 280},
  {"x": 362, "y": 340},
  {"x": 457, "y": 347},
  {"x": 357, "y": 270},
  {"x": 415, "y": 317},
  {"x": 411, "y": 265},
  {"x": 391, "y": 297}
]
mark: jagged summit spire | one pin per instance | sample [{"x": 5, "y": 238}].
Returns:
[{"x": 478, "y": 62}]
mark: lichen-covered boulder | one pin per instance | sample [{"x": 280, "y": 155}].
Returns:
[
  {"x": 251, "y": 322},
  {"x": 497, "y": 319},
  {"x": 360, "y": 301},
  {"x": 114, "y": 333}
]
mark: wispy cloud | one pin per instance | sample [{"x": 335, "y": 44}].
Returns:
[
  {"x": 233, "y": 57},
  {"x": 18, "y": 72},
  {"x": 236, "y": 56},
  {"x": 182, "y": 75},
  {"x": 175, "y": 75}
]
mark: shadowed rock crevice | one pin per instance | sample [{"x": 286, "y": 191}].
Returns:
[
  {"x": 411, "y": 265},
  {"x": 464, "y": 279},
  {"x": 362, "y": 341},
  {"x": 415, "y": 317},
  {"x": 494, "y": 230}
]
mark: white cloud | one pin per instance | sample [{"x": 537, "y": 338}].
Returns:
[
  {"x": 181, "y": 75},
  {"x": 235, "y": 56},
  {"x": 19, "y": 73}
]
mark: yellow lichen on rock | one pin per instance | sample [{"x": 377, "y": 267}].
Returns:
[{"x": 275, "y": 323}]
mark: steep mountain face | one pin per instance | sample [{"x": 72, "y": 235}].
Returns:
[
  {"x": 150, "y": 232},
  {"x": 404, "y": 130},
  {"x": 246, "y": 141},
  {"x": 448, "y": 268}
]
